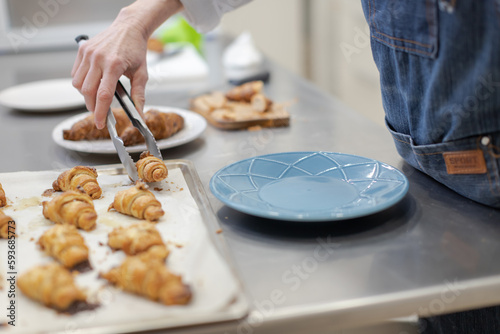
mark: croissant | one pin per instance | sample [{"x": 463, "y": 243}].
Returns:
[
  {"x": 79, "y": 176},
  {"x": 135, "y": 239},
  {"x": 260, "y": 102},
  {"x": 150, "y": 168},
  {"x": 73, "y": 208},
  {"x": 162, "y": 125},
  {"x": 158, "y": 252},
  {"x": 3, "y": 200},
  {"x": 245, "y": 92},
  {"x": 138, "y": 202},
  {"x": 85, "y": 129},
  {"x": 151, "y": 279},
  {"x": 65, "y": 244},
  {"x": 7, "y": 226},
  {"x": 51, "y": 285}
]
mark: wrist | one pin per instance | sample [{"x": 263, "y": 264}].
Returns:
[{"x": 147, "y": 15}]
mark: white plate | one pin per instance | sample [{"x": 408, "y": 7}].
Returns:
[
  {"x": 194, "y": 125},
  {"x": 43, "y": 96}
]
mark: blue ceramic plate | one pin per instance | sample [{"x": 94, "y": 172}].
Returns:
[{"x": 309, "y": 186}]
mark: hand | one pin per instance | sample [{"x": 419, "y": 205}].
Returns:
[{"x": 119, "y": 50}]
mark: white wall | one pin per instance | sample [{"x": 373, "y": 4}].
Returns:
[
  {"x": 276, "y": 26},
  {"x": 336, "y": 56}
]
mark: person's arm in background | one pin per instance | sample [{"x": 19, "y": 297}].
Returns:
[{"x": 121, "y": 48}]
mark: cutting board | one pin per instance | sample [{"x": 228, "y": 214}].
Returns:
[{"x": 241, "y": 115}]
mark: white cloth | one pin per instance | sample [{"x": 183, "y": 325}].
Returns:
[{"x": 205, "y": 15}]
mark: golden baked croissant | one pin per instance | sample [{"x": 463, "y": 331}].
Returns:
[
  {"x": 51, "y": 285},
  {"x": 244, "y": 93},
  {"x": 162, "y": 125},
  {"x": 85, "y": 129},
  {"x": 3, "y": 200},
  {"x": 79, "y": 176},
  {"x": 73, "y": 208},
  {"x": 7, "y": 224},
  {"x": 135, "y": 239},
  {"x": 158, "y": 252},
  {"x": 138, "y": 202},
  {"x": 151, "y": 279},
  {"x": 65, "y": 244},
  {"x": 150, "y": 168}
]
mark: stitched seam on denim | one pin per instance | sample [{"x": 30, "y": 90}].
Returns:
[
  {"x": 395, "y": 38},
  {"x": 401, "y": 141},
  {"x": 412, "y": 149},
  {"x": 403, "y": 48},
  {"x": 372, "y": 14},
  {"x": 405, "y": 40}
]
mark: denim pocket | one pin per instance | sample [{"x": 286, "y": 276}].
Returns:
[
  {"x": 480, "y": 187},
  {"x": 409, "y": 26}
]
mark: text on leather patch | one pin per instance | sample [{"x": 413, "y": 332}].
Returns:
[{"x": 465, "y": 162}]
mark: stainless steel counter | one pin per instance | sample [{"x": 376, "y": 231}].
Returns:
[{"x": 434, "y": 252}]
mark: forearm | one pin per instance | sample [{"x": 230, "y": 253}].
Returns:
[{"x": 147, "y": 15}]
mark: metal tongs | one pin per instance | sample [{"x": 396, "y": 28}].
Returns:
[{"x": 135, "y": 118}]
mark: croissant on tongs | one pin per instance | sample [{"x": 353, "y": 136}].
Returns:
[
  {"x": 151, "y": 168},
  {"x": 149, "y": 277},
  {"x": 73, "y": 208},
  {"x": 65, "y": 244},
  {"x": 7, "y": 226},
  {"x": 3, "y": 199},
  {"x": 162, "y": 125},
  {"x": 85, "y": 129},
  {"x": 76, "y": 177},
  {"x": 138, "y": 202},
  {"x": 51, "y": 285}
]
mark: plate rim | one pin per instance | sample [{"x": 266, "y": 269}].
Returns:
[
  {"x": 43, "y": 109},
  {"x": 295, "y": 218},
  {"x": 162, "y": 144}
]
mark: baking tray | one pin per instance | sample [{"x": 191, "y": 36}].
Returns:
[{"x": 165, "y": 317}]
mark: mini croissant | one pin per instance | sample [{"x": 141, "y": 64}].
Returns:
[
  {"x": 150, "y": 168},
  {"x": 244, "y": 93},
  {"x": 135, "y": 239},
  {"x": 7, "y": 225},
  {"x": 51, "y": 285},
  {"x": 79, "y": 176},
  {"x": 85, "y": 129},
  {"x": 73, "y": 208},
  {"x": 162, "y": 125},
  {"x": 65, "y": 244},
  {"x": 3, "y": 200},
  {"x": 138, "y": 202},
  {"x": 149, "y": 278}
]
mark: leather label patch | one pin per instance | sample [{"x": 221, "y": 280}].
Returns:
[{"x": 465, "y": 162}]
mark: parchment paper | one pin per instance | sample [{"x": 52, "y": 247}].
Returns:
[{"x": 192, "y": 254}]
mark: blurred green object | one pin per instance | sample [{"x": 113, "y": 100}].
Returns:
[{"x": 180, "y": 31}]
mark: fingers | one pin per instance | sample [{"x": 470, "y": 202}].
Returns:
[
  {"x": 138, "y": 86},
  {"x": 104, "y": 97},
  {"x": 79, "y": 72},
  {"x": 90, "y": 86},
  {"x": 77, "y": 62}
]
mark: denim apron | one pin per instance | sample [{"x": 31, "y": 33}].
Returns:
[{"x": 439, "y": 64}]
